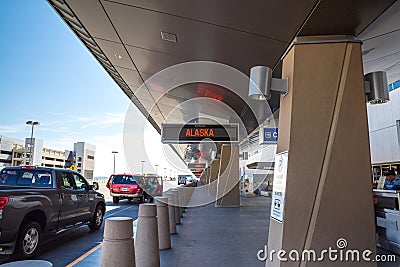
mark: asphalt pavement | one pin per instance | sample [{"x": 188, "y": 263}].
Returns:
[{"x": 63, "y": 249}]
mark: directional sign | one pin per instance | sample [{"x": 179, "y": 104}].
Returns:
[
  {"x": 196, "y": 133},
  {"x": 279, "y": 186},
  {"x": 268, "y": 135},
  {"x": 197, "y": 165}
]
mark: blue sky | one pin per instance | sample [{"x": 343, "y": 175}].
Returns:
[{"x": 48, "y": 75}]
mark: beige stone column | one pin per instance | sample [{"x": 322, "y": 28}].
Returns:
[
  {"x": 180, "y": 201},
  {"x": 228, "y": 194},
  {"x": 171, "y": 213},
  {"x": 118, "y": 245},
  {"x": 323, "y": 126},
  {"x": 147, "y": 252},
  {"x": 207, "y": 178},
  {"x": 214, "y": 176},
  {"x": 183, "y": 198},
  {"x": 176, "y": 206},
  {"x": 164, "y": 239}
]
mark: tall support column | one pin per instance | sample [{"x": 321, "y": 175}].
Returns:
[
  {"x": 207, "y": 177},
  {"x": 228, "y": 194},
  {"x": 214, "y": 176},
  {"x": 323, "y": 126}
]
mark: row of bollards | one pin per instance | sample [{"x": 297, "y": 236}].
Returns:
[{"x": 156, "y": 222}]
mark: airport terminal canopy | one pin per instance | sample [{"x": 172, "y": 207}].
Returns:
[{"x": 135, "y": 39}]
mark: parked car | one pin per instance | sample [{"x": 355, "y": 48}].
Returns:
[
  {"x": 125, "y": 186},
  {"x": 182, "y": 179},
  {"x": 38, "y": 200},
  {"x": 134, "y": 187}
]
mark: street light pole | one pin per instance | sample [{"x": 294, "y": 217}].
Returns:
[
  {"x": 142, "y": 161},
  {"x": 32, "y": 123},
  {"x": 114, "y": 152}
]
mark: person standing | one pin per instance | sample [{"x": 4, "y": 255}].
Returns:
[{"x": 392, "y": 182}]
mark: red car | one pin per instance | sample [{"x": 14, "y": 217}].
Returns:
[{"x": 126, "y": 186}]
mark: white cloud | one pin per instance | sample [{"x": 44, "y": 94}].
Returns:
[
  {"x": 65, "y": 130},
  {"x": 83, "y": 119},
  {"x": 6, "y": 129},
  {"x": 105, "y": 131},
  {"x": 62, "y": 142}
]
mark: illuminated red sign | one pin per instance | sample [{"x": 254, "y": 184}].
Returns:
[
  {"x": 194, "y": 133},
  {"x": 200, "y": 132},
  {"x": 210, "y": 90}
]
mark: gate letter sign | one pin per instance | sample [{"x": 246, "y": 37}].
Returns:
[{"x": 268, "y": 135}]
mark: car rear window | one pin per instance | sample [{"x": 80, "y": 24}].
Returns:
[
  {"x": 8, "y": 177},
  {"x": 37, "y": 178},
  {"x": 124, "y": 179}
]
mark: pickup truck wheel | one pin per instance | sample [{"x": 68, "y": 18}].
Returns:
[
  {"x": 116, "y": 200},
  {"x": 97, "y": 218},
  {"x": 28, "y": 240}
]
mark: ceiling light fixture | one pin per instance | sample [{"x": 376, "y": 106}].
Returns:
[
  {"x": 262, "y": 83},
  {"x": 376, "y": 87},
  {"x": 170, "y": 37},
  {"x": 117, "y": 56}
]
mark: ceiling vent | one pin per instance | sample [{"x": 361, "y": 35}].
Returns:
[{"x": 169, "y": 37}]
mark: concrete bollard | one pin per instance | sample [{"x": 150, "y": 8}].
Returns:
[
  {"x": 184, "y": 198},
  {"x": 146, "y": 244},
  {"x": 176, "y": 205},
  {"x": 180, "y": 201},
  {"x": 118, "y": 244},
  {"x": 191, "y": 192},
  {"x": 164, "y": 236},
  {"x": 171, "y": 213}
]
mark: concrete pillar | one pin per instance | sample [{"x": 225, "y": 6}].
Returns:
[
  {"x": 176, "y": 206},
  {"x": 214, "y": 176},
  {"x": 323, "y": 126},
  {"x": 184, "y": 196},
  {"x": 147, "y": 249},
  {"x": 118, "y": 245},
  {"x": 187, "y": 192},
  {"x": 171, "y": 213},
  {"x": 164, "y": 239},
  {"x": 180, "y": 202},
  {"x": 228, "y": 194},
  {"x": 208, "y": 174}
]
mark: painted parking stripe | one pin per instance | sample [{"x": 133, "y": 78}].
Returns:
[{"x": 81, "y": 258}]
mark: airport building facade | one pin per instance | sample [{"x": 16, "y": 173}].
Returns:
[{"x": 17, "y": 152}]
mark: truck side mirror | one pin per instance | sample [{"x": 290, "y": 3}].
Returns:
[{"x": 95, "y": 186}]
